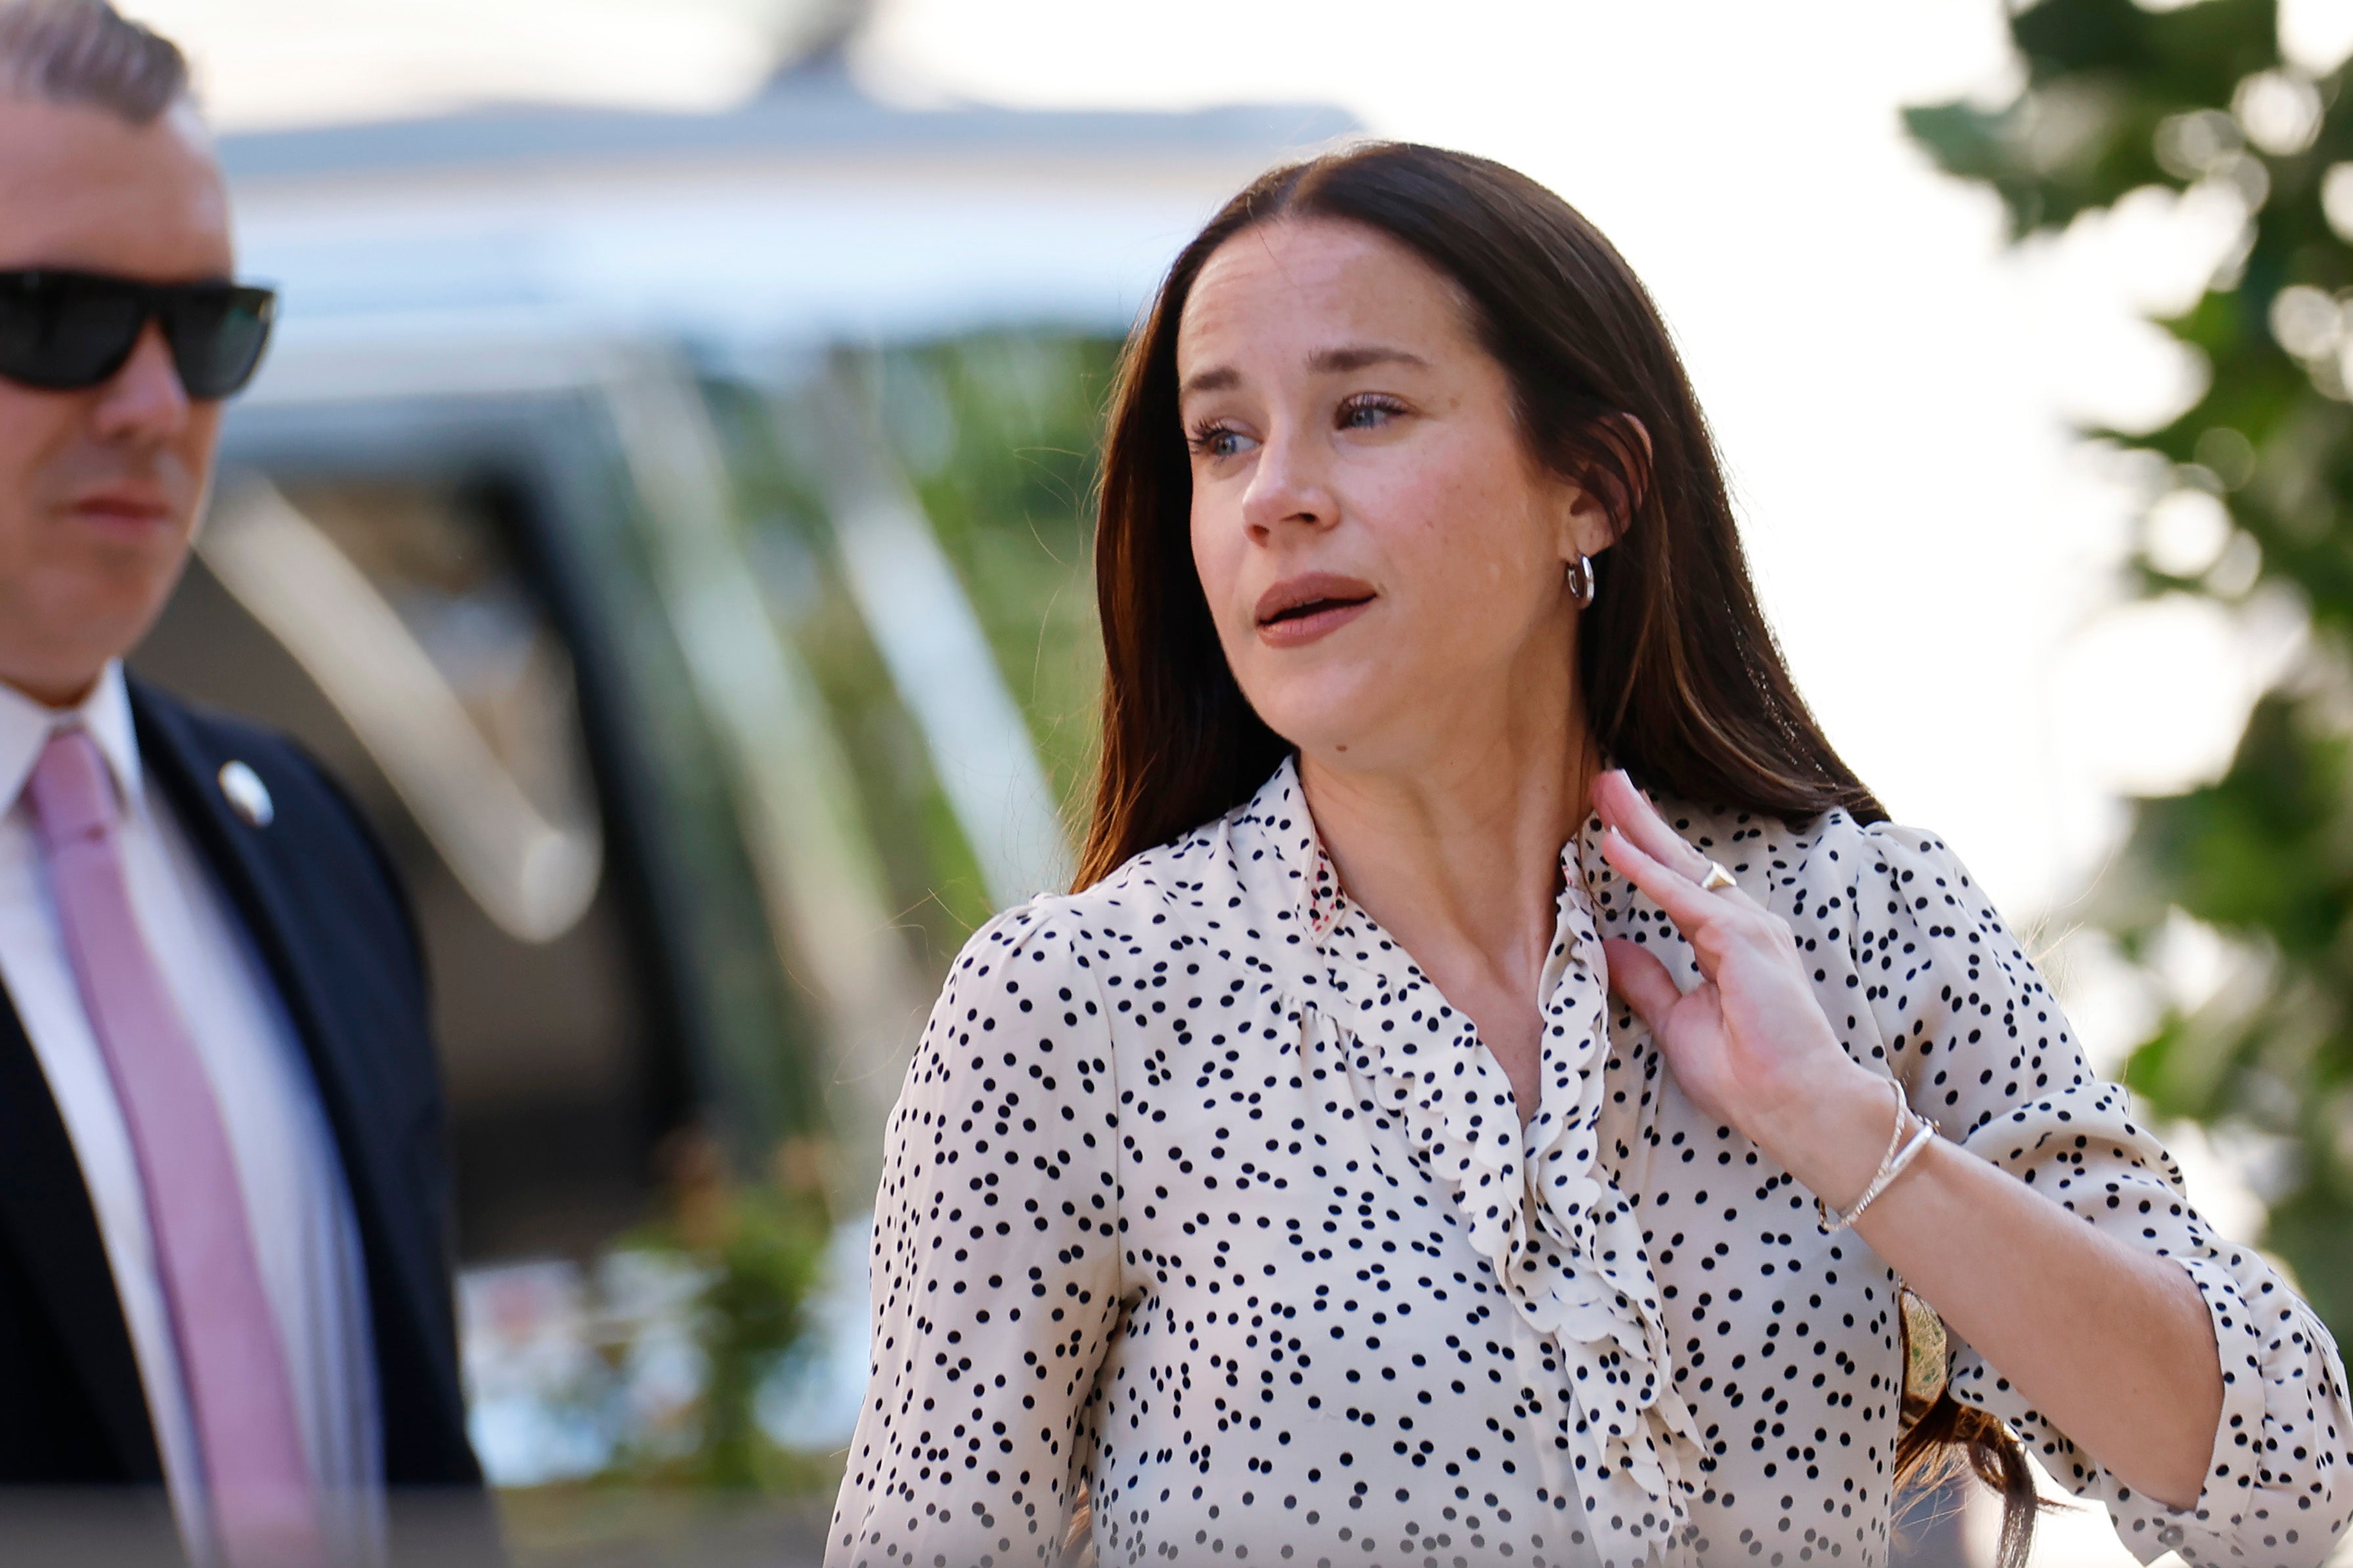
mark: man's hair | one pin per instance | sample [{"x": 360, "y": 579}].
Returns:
[{"x": 85, "y": 52}]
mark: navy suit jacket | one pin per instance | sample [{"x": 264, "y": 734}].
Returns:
[{"x": 334, "y": 929}]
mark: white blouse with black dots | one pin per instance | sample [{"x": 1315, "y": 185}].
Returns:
[{"x": 1201, "y": 1199}]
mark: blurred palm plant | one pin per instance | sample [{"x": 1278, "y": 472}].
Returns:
[
  {"x": 664, "y": 1373},
  {"x": 2198, "y": 100},
  {"x": 995, "y": 435},
  {"x": 754, "y": 1249},
  {"x": 1012, "y": 500}
]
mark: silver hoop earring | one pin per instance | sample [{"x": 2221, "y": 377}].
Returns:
[{"x": 1580, "y": 582}]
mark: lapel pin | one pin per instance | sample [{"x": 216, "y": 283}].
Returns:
[{"x": 248, "y": 795}]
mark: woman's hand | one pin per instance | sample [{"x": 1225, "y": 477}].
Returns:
[
  {"x": 2115, "y": 1345},
  {"x": 1749, "y": 1044}
]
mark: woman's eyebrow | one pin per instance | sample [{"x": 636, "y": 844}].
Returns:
[
  {"x": 1324, "y": 362},
  {"x": 1357, "y": 356},
  {"x": 1218, "y": 378}
]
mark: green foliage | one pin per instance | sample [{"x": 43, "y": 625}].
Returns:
[
  {"x": 1011, "y": 492},
  {"x": 997, "y": 432},
  {"x": 2102, "y": 76},
  {"x": 756, "y": 1249},
  {"x": 2118, "y": 99}
]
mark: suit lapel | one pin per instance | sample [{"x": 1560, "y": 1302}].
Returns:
[
  {"x": 362, "y": 1101},
  {"x": 46, "y": 1206},
  {"x": 175, "y": 756}
]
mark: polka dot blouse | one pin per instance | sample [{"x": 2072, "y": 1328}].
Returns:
[{"x": 1201, "y": 1201}]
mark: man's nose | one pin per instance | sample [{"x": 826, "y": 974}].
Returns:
[{"x": 145, "y": 401}]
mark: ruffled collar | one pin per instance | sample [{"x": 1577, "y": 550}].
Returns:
[{"x": 1542, "y": 1202}]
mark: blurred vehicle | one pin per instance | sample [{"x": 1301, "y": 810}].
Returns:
[{"x": 670, "y": 527}]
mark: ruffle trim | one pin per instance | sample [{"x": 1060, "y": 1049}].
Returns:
[{"x": 1562, "y": 1241}]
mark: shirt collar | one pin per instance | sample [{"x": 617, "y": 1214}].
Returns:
[
  {"x": 1278, "y": 813},
  {"x": 1281, "y": 809},
  {"x": 26, "y": 726}
]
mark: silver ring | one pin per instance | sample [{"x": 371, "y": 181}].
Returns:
[{"x": 1717, "y": 880}]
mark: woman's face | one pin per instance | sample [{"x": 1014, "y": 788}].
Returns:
[{"x": 1384, "y": 561}]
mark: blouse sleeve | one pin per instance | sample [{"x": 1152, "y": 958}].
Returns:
[
  {"x": 1973, "y": 1032},
  {"x": 995, "y": 1275}
]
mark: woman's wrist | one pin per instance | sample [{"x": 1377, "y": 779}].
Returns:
[{"x": 1835, "y": 1138}]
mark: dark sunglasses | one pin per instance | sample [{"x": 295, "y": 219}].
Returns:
[{"x": 67, "y": 332}]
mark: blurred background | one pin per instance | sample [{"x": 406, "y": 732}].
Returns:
[{"x": 666, "y": 502}]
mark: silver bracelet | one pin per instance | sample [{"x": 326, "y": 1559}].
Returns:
[{"x": 1900, "y": 1155}]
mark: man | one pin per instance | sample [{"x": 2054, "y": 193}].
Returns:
[{"x": 223, "y": 1186}]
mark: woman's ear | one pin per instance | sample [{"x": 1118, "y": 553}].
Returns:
[
  {"x": 1622, "y": 469},
  {"x": 1616, "y": 482}
]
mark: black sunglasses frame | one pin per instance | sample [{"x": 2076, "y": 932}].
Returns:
[{"x": 216, "y": 331}]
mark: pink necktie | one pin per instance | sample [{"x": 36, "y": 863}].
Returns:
[{"x": 240, "y": 1392}]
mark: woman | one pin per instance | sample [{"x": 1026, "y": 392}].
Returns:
[{"x": 1294, "y": 1189}]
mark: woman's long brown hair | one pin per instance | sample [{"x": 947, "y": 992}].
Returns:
[{"x": 1682, "y": 682}]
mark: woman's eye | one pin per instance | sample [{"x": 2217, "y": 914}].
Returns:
[
  {"x": 1217, "y": 441},
  {"x": 1368, "y": 413}
]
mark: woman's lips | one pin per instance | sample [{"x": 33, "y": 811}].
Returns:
[
  {"x": 1307, "y": 625},
  {"x": 1300, "y": 610}
]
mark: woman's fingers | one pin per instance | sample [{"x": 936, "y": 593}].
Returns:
[
  {"x": 1636, "y": 974},
  {"x": 1681, "y": 897},
  {"x": 1624, "y": 808}
]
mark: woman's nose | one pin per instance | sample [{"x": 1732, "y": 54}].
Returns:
[{"x": 1290, "y": 487}]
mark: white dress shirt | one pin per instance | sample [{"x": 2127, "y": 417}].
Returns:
[{"x": 296, "y": 1200}]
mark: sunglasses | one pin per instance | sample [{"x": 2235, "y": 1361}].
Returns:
[{"x": 68, "y": 332}]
